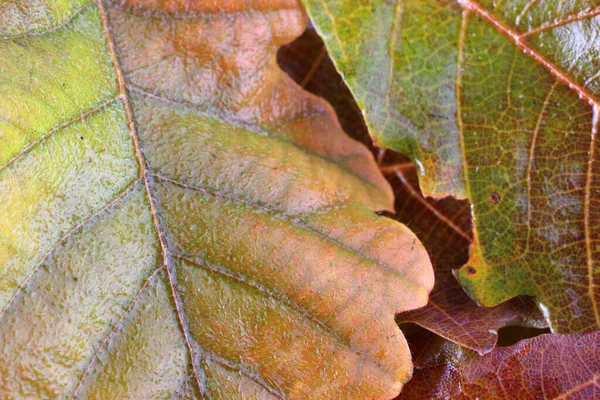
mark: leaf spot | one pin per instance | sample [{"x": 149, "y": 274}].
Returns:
[{"x": 494, "y": 197}]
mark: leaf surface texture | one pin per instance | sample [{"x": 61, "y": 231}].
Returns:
[
  {"x": 179, "y": 219},
  {"x": 443, "y": 225},
  {"x": 550, "y": 366},
  {"x": 497, "y": 103}
]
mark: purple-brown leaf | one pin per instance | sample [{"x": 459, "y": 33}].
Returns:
[{"x": 549, "y": 366}]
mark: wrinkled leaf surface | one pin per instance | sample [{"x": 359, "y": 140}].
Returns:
[{"x": 179, "y": 219}]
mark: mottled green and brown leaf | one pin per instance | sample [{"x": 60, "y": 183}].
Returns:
[
  {"x": 179, "y": 219},
  {"x": 496, "y": 102},
  {"x": 443, "y": 225}
]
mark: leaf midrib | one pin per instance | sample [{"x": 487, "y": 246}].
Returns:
[
  {"x": 147, "y": 181},
  {"x": 473, "y": 6},
  {"x": 147, "y": 177}
]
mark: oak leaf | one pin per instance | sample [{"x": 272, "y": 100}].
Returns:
[{"x": 179, "y": 219}]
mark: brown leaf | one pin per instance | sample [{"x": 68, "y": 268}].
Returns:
[
  {"x": 550, "y": 366},
  {"x": 444, "y": 228},
  {"x": 307, "y": 62}
]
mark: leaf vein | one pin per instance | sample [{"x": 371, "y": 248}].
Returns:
[
  {"x": 146, "y": 178},
  {"x": 64, "y": 238},
  {"x": 531, "y": 160},
  {"x": 459, "y": 120},
  {"x": 46, "y": 31},
  {"x": 471, "y": 5},
  {"x": 57, "y": 128},
  {"x": 586, "y": 215},
  {"x": 209, "y": 355},
  {"x": 440, "y": 216},
  {"x": 252, "y": 128},
  {"x": 104, "y": 344},
  {"x": 284, "y": 217},
  {"x": 564, "y": 21},
  {"x": 283, "y": 300}
]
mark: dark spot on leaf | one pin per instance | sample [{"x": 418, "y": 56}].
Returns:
[
  {"x": 494, "y": 197},
  {"x": 81, "y": 137}
]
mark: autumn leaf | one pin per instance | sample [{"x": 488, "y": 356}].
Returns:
[
  {"x": 306, "y": 61},
  {"x": 497, "y": 103},
  {"x": 551, "y": 366},
  {"x": 179, "y": 219},
  {"x": 443, "y": 225}
]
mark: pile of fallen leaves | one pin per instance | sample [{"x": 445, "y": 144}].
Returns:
[{"x": 207, "y": 199}]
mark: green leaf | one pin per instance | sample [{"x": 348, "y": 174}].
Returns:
[
  {"x": 496, "y": 102},
  {"x": 179, "y": 219}
]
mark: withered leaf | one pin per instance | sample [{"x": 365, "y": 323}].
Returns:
[
  {"x": 550, "y": 366},
  {"x": 179, "y": 219}
]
